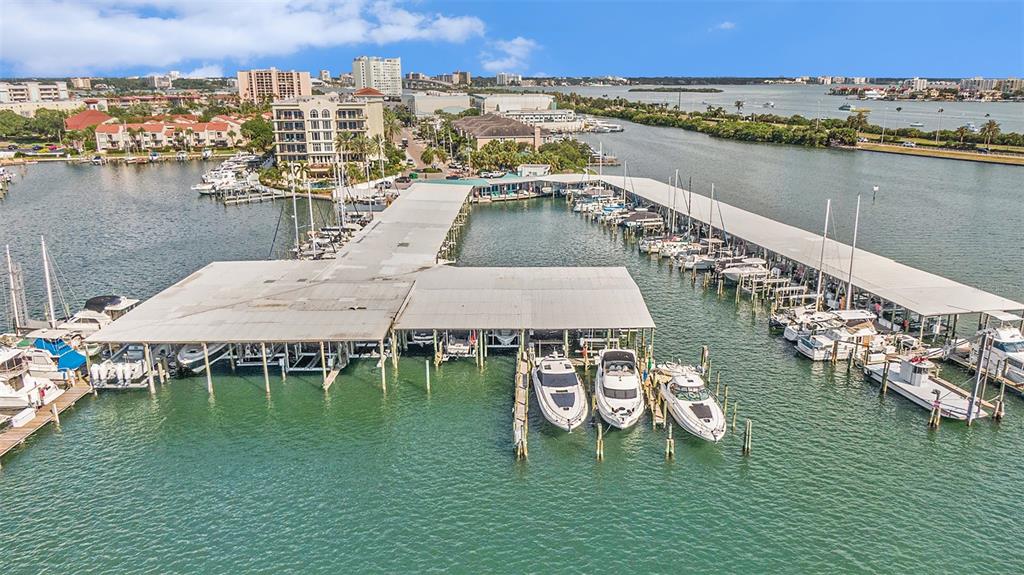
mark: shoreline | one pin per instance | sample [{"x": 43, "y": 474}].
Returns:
[{"x": 941, "y": 154}]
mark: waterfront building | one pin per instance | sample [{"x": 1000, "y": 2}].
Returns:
[
  {"x": 916, "y": 84},
  {"x": 978, "y": 84},
  {"x": 826, "y": 80},
  {"x": 155, "y": 135},
  {"x": 423, "y": 104},
  {"x": 497, "y": 128},
  {"x": 858, "y": 80},
  {"x": 325, "y": 75},
  {"x": 267, "y": 85},
  {"x": 382, "y": 74},
  {"x": 551, "y": 120},
  {"x": 81, "y": 83},
  {"x": 86, "y": 119},
  {"x": 506, "y": 79},
  {"x": 305, "y": 128},
  {"x": 489, "y": 103},
  {"x": 15, "y": 92},
  {"x": 1012, "y": 85}
]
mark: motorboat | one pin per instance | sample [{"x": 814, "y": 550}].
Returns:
[
  {"x": 1005, "y": 356},
  {"x": 913, "y": 378},
  {"x": 560, "y": 393},
  {"x": 459, "y": 343},
  {"x": 809, "y": 324},
  {"x": 18, "y": 387},
  {"x": 619, "y": 398},
  {"x": 689, "y": 401},
  {"x": 651, "y": 245},
  {"x": 837, "y": 343},
  {"x": 745, "y": 268},
  {"x": 421, "y": 337},
  {"x": 505, "y": 337},
  {"x": 191, "y": 358}
]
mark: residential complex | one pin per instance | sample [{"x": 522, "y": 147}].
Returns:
[
  {"x": 15, "y": 92},
  {"x": 456, "y": 78},
  {"x": 81, "y": 83},
  {"x": 495, "y": 128},
  {"x": 383, "y": 74},
  {"x": 182, "y": 131},
  {"x": 268, "y": 85},
  {"x": 305, "y": 128},
  {"x": 505, "y": 79}
]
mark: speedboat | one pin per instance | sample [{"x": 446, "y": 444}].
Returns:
[
  {"x": 689, "y": 401},
  {"x": 619, "y": 400},
  {"x": 421, "y": 337},
  {"x": 18, "y": 387},
  {"x": 809, "y": 324},
  {"x": 1006, "y": 354},
  {"x": 560, "y": 393},
  {"x": 190, "y": 357},
  {"x": 838, "y": 341},
  {"x": 459, "y": 343},
  {"x": 912, "y": 378}
]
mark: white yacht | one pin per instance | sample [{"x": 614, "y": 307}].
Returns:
[
  {"x": 746, "y": 268},
  {"x": 1007, "y": 350},
  {"x": 560, "y": 393},
  {"x": 18, "y": 387},
  {"x": 819, "y": 347},
  {"x": 619, "y": 398},
  {"x": 912, "y": 378},
  {"x": 809, "y": 324},
  {"x": 689, "y": 401}
]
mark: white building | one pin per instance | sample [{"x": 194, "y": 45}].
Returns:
[
  {"x": 506, "y": 79},
  {"x": 14, "y": 92},
  {"x": 424, "y": 104},
  {"x": 489, "y": 103},
  {"x": 916, "y": 84},
  {"x": 305, "y": 129},
  {"x": 160, "y": 82},
  {"x": 383, "y": 74},
  {"x": 979, "y": 84},
  {"x": 551, "y": 120},
  {"x": 325, "y": 75},
  {"x": 858, "y": 80}
]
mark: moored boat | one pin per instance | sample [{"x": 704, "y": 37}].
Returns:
[
  {"x": 560, "y": 393},
  {"x": 619, "y": 400},
  {"x": 689, "y": 401}
]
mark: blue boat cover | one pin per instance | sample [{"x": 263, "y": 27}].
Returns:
[{"x": 69, "y": 359}]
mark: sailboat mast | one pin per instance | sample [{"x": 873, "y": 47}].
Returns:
[
  {"x": 295, "y": 211},
  {"x": 600, "y": 161},
  {"x": 853, "y": 250},
  {"x": 14, "y": 290},
  {"x": 711, "y": 209},
  {"x": 51, "y": 314},
  {"x": 821, "y": 259},
  {"x": 312, "y": 228}
]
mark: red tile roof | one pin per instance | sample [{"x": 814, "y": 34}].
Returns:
[
  {"x": 368, "y": 92},
  {"x": 83, "y": 120},
  {"x": 109, "y": 128}
]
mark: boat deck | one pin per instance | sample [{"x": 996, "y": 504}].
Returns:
[{"x": 15, "y": 436}]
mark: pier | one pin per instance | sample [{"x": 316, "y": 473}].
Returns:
[{"x": 15, "y": 436}]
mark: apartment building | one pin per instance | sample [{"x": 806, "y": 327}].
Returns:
[
  {"x": 154, "y": 135},
  {"x": 506, "y": 79},
  {"x": 272, "y": 84},
  {"x": 383, "y": 74},
  {"x": 305, "y": 128},
  {"x": 81, "y": 83},
  {"x": 15, "y": 92}
]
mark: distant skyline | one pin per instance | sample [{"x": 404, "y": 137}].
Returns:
[{"x": 49, "y": 38}]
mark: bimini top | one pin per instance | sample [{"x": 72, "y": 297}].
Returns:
[{"x": 922, "y": 292}]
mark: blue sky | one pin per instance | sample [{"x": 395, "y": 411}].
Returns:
[{"x": 870, "y": 38}]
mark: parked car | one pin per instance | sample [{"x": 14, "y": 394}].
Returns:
[
  {"x": 909, "y": 145},
  {"x": 452, "y": 177},
  {"x": 403, "y": 180}
]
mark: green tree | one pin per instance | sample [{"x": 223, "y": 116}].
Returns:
[
  {"x": 961, "y": 133},
  {"x": 259, "y": 133},
  {"x": 858, "y": 121},
  {"x": 392, "y": 125},
  {"x": 989, "y": 129},
  {"x": 739, "y": 106},
  {"x": 48, "y": 124}
]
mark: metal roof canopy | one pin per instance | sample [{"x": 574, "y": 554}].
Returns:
[
  {"x": 919, "y": 291},
  {"x": 353, "y": 298},
  {"x": 525, "y": 298}
]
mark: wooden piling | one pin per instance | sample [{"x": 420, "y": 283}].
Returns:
[
  {"x": 427, "y": 364},
  {"x": 748, "y": 433},
  {"x": 148, "y": 358},
  {"x": 56, "y": 414},
  {"x": 735, "y": 408},
  {"x": 206, "y": 364},
  {"x": 670, "y": 444},
  {"x": 600, "y": 440},
  {"x": 885, "y": 377},
  {"x": 726, "y": 402},
  {"x": 383, "y": 369},
  {"x": 266, "y": 369}
]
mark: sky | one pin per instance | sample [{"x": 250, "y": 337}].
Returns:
[{"x": 874, "y": 38}]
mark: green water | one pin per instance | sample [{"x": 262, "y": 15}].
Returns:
[{"x": 359, "y": 481}]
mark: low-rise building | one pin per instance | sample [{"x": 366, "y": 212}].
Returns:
[
  {"x": 17, "y": 92},
  {"x": 81, "y": 83},
  {"x": 154, "y": 135},
  {"x": 305, "y": 129},
  {"x": 551, "y": 120},
  {"x": 86, "y": 119},
  {"x": 490, "y": 103},
  {"x": 160, "y": 82},
  {"x": 496, "y": 128},
  {"x": 423, "y": 104}
]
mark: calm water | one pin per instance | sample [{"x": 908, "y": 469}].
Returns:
[
  {"x": 354, "y": 481},
  {"x": 814, "y": 102}
]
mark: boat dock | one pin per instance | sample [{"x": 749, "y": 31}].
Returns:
[
  {"x": 521, "y": 407},
  {"x": 15, "y": 436}
]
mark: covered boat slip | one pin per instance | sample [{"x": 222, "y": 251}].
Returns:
[{"x": 921, "y": 292}]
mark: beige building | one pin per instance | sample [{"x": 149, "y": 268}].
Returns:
[
  {"x": 272, "y": 84},
  {"x": 305, "y": 128},
  {"x": 81, "y": 83},
  {"x": 382, "y": 74},
  {"x": 15, "y": 92},
  {"x": 495, "y": 128}
]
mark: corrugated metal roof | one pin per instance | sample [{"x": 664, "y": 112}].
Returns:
[
  {"x": 525, "y": 298},
  {"x": 919, "y": 291}
]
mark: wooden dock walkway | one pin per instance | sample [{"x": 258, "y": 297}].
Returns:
[
  {"x": 15, "y": 436},
  {"x": 520, "y": 409}
]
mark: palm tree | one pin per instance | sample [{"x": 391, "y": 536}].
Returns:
[
  {"x": 378, "y": 146},
  {"x": 343, "y": 145},
  {"x": 428, "y": 155},
  {"x": 392, "y": 127},
  {"x": 990, "y": 129},
  {"x": 962, "y": 132},
  {"x": 939, "y": 128},
  {"x": 362, "y": 146},
  {"x": 739, "y": 106}
]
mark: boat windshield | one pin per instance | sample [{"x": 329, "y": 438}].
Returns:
[
  {"x": 690, "y": 393},
  {"x": 558, "y": 379},
  {"x": 612, "y": 393},
  {"x": 619, "y": 368},
  {"x": 1010, "y": 346}
]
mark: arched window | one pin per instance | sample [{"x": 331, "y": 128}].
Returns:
[
  {"x": 312, "y": 114},
  {"x": 325, "y": 114}
]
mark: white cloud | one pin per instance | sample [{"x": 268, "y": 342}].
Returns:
[
  {"x": 54, "y": 37},
  {"x": 509, "y": 55},
  {"x": 726, "y": 25},
  {"x": 206, "y": 71}
]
